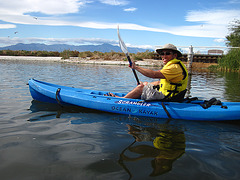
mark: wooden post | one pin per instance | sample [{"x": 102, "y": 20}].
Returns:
[
  {"x": 189, "y": 85},
  {"x": 189, "y": 66},
  {"x": 190, "y": 59}
]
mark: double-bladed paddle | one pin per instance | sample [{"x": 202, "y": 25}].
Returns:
[{"x": 124, "y": 49}]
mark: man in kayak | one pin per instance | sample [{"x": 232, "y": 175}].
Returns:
[{"x": 173, "y": 78}]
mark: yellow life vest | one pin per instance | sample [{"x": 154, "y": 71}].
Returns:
[{"x": 170, "y": 89}]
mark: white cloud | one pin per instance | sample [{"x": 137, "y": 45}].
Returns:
[
  {"x": 130, "y": 9},
  {"x": 141, "y": 46},
  {"x": 7, "y": 26},
  {"x": 211, "y": 23},
  {"x": 234, "y": 2},
  {"x": 219, "y": 17},
  {"x": 219, "y": 40},
  {"x": 50, "y": 7},
  {"x": 204, "y": 30},
  {"x": 6, "y": 41},
  {"x": 208, "y": 23},
  {"x": 114, "y": 2}
]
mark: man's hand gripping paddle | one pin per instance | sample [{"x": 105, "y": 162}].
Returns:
[{"x": 124, "y": 49}]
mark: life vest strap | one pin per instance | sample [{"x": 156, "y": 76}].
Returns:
[
  {"x": 176, "y": 84},
  {"x": 184, "y": 71}
]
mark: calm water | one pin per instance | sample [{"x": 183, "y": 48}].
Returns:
[{"x": 43, "y": 141}]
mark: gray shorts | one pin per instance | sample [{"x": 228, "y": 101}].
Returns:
[{"x": 151, "y": 94}]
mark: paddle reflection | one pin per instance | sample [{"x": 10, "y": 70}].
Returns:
[{"x": 162, "y": 145}]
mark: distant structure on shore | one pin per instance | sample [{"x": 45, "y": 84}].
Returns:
[
  {"x": 215, "y": 52},
  {"x": 211, "y": 57}
]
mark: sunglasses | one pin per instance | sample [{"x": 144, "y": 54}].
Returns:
[{"x": 165, "y": 53}]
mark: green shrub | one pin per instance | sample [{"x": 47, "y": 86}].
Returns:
[
  {"x": 213, "y": 67},
  {"x": 230, "y": 61},
  {"x": 65, "y": 54}
]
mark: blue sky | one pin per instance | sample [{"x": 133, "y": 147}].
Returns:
[{"x": 142, "y": 23}]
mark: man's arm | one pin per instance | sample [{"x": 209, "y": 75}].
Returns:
[
  {"x": 150, "y": 73},
  {"x": 155, "y": 83}
]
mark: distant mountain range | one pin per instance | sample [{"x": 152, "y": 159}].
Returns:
[{"x": 61, "y": 47}]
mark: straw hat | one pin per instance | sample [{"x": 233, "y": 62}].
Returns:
[{"x": 169, "y": 47}]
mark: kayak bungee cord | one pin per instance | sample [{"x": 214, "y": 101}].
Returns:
[{"x": 57, "y": 93}]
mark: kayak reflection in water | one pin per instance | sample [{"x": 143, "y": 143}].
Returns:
[{"x": 168, "y": 144}]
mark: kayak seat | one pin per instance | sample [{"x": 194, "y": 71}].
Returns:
[{"x": 178, "y": 98}]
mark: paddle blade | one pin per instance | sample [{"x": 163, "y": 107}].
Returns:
[
  {"x": 122, "y": 44},
  {"x": 124, "y": 49}
]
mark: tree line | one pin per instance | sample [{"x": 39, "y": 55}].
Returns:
[{"x": 29, "y": 53}]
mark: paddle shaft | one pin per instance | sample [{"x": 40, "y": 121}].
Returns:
[{"x": 134, "y": 72}]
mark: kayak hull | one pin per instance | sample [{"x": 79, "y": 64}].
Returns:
[{"x": 52, "y": 93}]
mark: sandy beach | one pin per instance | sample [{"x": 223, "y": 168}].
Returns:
[
  {"x": 29, "y": 58},
  {"x": 146, "y": 62}
]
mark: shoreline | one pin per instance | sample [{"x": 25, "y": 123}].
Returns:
[
  {"x": 145, "y": 62},
  {"x": 29, "y": 58}
]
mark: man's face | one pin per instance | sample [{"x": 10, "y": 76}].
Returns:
[{"x": 167, "y": 56}]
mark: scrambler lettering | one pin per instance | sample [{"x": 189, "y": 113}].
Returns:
[{"x": 134, "y": 103}]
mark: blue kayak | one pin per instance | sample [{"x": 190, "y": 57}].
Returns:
[{"x": 197, "y": 110}]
